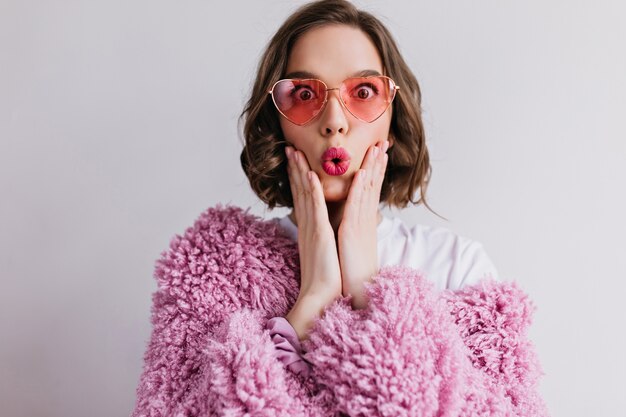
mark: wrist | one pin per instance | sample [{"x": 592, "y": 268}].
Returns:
[
  {"x": 303, "y": 313},
  {"x": 358, "y": 293}
]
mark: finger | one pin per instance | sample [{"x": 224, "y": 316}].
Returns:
[
  {"x": 370, "y": 157},
  {"x": 374, "y": 190},
  {"x": 364, "y": 180},
  {"x": 295, "y": 182},
  {"x": 313, "y": 197},
  {"x": 379, "y": 156},
  {"x": 381, "y": 167},
  {"x": 317, "y": 201},
  {"x": 359, "y": 182},
  {"x": 302, "y": 166},
  {"x": 352, "y": 209},
  {"x": 372, "y": 165},
  {"x": 373, "y": 185},
  {"x": 302, "y": 169},
  {"x": 293, "y": 179}
]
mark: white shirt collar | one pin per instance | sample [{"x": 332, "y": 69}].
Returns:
[{"x": 382, "y": 230}]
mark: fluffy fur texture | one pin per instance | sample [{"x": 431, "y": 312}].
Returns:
[{"x": 413, "y": 352}]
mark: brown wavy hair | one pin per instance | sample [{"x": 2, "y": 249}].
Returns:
[{"x": 263, "y": 156}]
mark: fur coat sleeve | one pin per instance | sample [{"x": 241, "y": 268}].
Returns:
[{"x": 412, "y": 352}]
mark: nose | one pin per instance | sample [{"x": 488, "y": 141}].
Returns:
[{"x": 333, "y": 116}]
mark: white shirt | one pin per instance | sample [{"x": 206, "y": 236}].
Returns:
[{"x": 449, "y": 260}]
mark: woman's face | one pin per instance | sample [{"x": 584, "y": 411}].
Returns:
[{"x": 333, "y": 53}]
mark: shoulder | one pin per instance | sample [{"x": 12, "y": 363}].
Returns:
[
  {"x": 231, "y": 226},
  {"x": 232, "y": 221},
  {"x": 228, "y": 255},
  {"x": 451, "y": 260},
  {"x": 468, "y": 257}
]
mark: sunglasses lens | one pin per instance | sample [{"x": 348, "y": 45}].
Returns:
[
  {"x": 299, "y": 100},
  {"x": 368, "y": 97}
]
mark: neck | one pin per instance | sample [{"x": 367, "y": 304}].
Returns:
[{"x": 335, "y": 215}]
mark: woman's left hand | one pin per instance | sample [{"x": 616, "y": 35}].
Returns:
[{"x": 357, "y": 238}]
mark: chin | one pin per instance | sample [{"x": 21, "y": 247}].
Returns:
[
  {"x": 336, "y": 189},
  {"x": 335, "y": 198}
]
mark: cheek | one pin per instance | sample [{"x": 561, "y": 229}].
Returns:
[
  {"x": 383, "y": 131},
  {"x": 299, "y": 138},
  {"x": 385, "y": 124},
  {"x": 374, "y": 132},
  {"x": 291, "y": 132}
]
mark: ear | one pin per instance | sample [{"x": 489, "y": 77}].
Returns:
[{"x": 391, "y": 140}]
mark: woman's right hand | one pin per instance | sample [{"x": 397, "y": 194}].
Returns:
[{"x": 320, "y": 274}]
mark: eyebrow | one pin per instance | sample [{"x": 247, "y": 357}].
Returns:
[{"x": 306, "y": 74}]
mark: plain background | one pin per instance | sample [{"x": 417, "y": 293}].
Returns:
[{"x": 118, "y": 127}]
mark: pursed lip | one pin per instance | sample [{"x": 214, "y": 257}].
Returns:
[
  {"x": 335, "y": 154},
  {"x": 335, "y": 161}
]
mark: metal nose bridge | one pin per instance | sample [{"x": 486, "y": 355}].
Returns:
[
  {"x": 338, "y": 96},
  {"x": 331, "y": 89}
]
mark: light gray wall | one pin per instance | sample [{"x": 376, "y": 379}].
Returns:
[{"x": 118, "y": 126}]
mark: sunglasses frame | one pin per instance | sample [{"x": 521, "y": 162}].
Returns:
[{"x": 326, "y": 90}]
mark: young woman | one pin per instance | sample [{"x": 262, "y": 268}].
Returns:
[
  {"x": 333, "y": 129},
  {"x": 334, "y": 309}
]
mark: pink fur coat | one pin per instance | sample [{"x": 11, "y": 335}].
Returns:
[{"x": 412, "y": 352}]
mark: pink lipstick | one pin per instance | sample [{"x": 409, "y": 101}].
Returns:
[{"x": 335, "y": 161}]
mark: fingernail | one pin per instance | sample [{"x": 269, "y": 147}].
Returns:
[
  {"x": 386, "y": 146},
  {"x": 375, "y": 150},
  {"x": 288, "y": 151}
]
